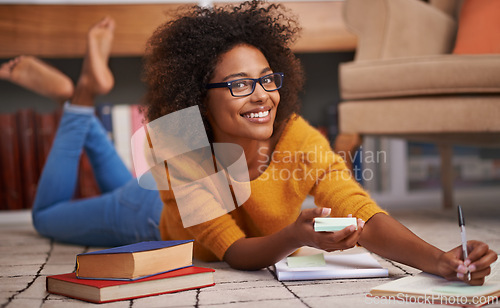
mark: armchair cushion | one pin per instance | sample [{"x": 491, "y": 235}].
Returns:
[
  {"x": 479, "y": 28},
  {"x": 422, "y": 115},
  {"x": 426, "y": 75},
  {"x": 390, "y": 29}
]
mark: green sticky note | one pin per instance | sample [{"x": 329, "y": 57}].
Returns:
[
  {"x": 306, "y": 261},
  {"x": 333, "y": 223},
  {"x": 462, "y": 288}
]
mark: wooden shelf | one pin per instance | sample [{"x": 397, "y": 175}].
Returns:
[{"x": 60, "y": 30}]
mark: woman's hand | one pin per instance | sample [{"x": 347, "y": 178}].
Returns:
[
  {"x": 451, "y": 266},
  {"x": 303, "y": 232}
]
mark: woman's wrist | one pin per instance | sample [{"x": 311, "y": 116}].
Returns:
[
  {"x": 291, "y": 238},
  {"x": 437, "y": 262},
  {"x": 431, "y": 260}
]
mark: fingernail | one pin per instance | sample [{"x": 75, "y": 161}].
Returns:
[
  {"x": 362, "y": 224},
  {"x": 460, "y": 276},
  {"x": 352, "y": 228},
  {"x": 350, "y": 215},
  {"x": 472, "y": 268},
  {"x": 467, "y": 262},
  {"x": 462, "y": 269},
  {"x": 326, "y": 211}
]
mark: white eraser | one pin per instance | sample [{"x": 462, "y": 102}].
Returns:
[{"x": 334, "y": 223}]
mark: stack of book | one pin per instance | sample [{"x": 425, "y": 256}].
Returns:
[{"x": 132, "y": 271}]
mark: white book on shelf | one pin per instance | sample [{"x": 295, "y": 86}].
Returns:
[{"x": 122, "y": 132}]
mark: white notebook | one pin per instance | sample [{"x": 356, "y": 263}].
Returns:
[
  {"x": 337, "y": 266},
  {"x": 427, "y": 288}
]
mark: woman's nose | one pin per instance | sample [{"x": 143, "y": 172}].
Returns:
[{"x": 259, "y": 94}]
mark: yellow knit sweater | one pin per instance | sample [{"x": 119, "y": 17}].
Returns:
[{"x": 302, "y": 164}]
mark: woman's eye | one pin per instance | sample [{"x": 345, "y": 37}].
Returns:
[
  {"x": 241, "y": 84},
  {"x": 268, "y": 79}
]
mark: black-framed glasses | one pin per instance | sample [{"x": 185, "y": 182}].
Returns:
[{"x": 246, "y": 86}]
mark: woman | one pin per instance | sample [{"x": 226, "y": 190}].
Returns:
[
  {"x": 228, "y": 62},
  {"x": 219, "y": 59}
]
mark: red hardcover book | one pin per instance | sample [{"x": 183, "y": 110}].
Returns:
[
  {"x": 10, "y": 168},
  {"x": 28, "y": 155},
  {"x": 103, "y": 291}
]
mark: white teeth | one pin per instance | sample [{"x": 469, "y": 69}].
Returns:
[{"x": 260, "y": 114}]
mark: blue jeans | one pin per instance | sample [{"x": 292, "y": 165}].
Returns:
[{"x": 125, "y": 213}]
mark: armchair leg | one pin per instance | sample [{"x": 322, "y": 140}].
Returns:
[
  {"x": 446, "y": 154},
  {"x": 346, "y": 146}
]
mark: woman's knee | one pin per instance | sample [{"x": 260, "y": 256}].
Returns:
[{"x": 39, "y": 222}]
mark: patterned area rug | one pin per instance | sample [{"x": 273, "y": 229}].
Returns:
[{"x": 27, "y": 258}]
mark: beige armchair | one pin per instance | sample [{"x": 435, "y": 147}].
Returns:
[{"x": 405, "y": 81}]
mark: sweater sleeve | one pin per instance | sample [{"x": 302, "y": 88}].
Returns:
[
  {"x": 218, "y": 234},
  {"x": 335, "y": 186},
  {"x": 212, "y": 238},
  {"x": 198, "y": 205}
]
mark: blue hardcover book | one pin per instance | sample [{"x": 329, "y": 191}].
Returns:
[{"x": 135, "y": 261}]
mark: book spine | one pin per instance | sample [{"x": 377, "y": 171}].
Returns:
[
  {"x": 103, "y": 112},
  {"x": 122, "y": 128},
  {"x": 137, "y": 118},
  {"x": 28, "y": 155},
  {"x": 137, "y": 123},
  {"x": 10, "y": 163}
]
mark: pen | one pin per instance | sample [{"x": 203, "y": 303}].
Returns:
[{"x": 461, "y": 224}]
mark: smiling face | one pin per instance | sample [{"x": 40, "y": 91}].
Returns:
[{"x": 241, "y": 119}]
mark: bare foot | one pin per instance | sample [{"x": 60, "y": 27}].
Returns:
[
  {"x": 35, "y": 75},
  {"x": 6, "y": 68},
  {"x": 96, "y": 77}
]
